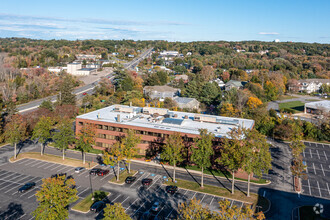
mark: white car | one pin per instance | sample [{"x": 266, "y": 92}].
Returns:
[{"x": 79, "y": 169}]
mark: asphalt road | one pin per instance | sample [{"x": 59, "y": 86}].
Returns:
[{"x": 87, "y": 88}]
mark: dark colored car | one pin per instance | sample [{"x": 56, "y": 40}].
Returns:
[
  {"x": 171, "y": 189},
  {"x": 103, "y": 172},
  {"x": 97, "y": 206},
  {"x": 130, "y": 179},
  {"x": 94, "y": 171},
  {"x": 26, "y": 187},
  {"x": 146, "y": 182}
]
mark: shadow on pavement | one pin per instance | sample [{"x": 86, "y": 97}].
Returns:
[{"x": 14, "y": 211}]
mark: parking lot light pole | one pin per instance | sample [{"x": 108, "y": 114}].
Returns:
[{"x": 90, "y": 182}]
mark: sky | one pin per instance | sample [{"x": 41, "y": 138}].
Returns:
[{"x": 172, "y": 20}]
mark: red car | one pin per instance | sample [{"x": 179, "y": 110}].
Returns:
[
  {"x": 103, "y": 172},
  {"x": 85, "y": 93},
  {"x": 146, "y": 182}
]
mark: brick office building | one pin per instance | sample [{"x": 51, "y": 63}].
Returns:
[{"x": 154, "y": 124}]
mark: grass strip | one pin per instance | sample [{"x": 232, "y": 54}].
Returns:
[
  {"x": 53, "y": 158},
  {"x": 85, "y": 204},
  {"x": 214, "y": 190},
  {"x": 296, "y": 106},
  {"x": 122, "y": 177}
]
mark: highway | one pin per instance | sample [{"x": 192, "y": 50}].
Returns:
[{"x": 86, "y": 88}]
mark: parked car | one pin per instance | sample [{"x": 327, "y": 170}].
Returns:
[
  {"x": 171, "y": 189},
  {"x": 146, "y": 182},
  {"x": 26, "y": 187},
  {"x": 155, "y": 207},
  {"x": 94, "y": 171},
  {"x": 103, "y": 172},
  {"x": 97, "y": 206},
  {"x": 79, "y": 169},
  {"x": 85, "y": 93},
  {"x": 130, "y": 179}
]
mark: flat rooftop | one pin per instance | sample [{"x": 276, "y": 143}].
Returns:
[
  {"x": 164, "y": 119},
  {"x": 325, "y": 105}
]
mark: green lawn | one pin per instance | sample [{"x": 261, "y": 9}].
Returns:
[
  {"x": 285, "y": 97},
  {"x": 222, "y": 174},
  {"x": 85, "y": 204},
  {"x": 214, "y": 190},
  {"x": 123, "y": 176},
  {"x": 295, "y": 106}
]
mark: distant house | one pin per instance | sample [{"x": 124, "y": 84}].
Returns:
[
  {"x": 161, "y": 92},
  {"x": 130, "y": 55},
  {"x": 189, "y": 103},
  {"x": 189, "y": 54},
  {"x": 234, "y": 84},
  {"x": 76, "y": 69},
  {"x": 183, "y": 77},
  {"x": 311, "y": 85},
  {"x": 81, "y": 57},
  {"x": 220, "y": 83}
]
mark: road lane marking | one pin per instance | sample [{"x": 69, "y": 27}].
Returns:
[
  {"x": 310, "y": 151},
  {"x": 325, "y": 155},
  {"x": 322, "y": 170},
  {"x": 318, "y": 154},
  {"x": 309, "y": 186},
  {"x": 314, "y": 169}
]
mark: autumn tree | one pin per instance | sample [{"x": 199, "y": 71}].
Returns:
[
  {"x": 207, "y": 73},
  {"x": 233, "y": 153},
  {"x": 202, "y": 152},
  {"x": 172, "y": 150},
  {"x": 258, "y": 157},
  {"x": 253, "y": 102},
  {"x": 228, "y": 211},
  {"x": 130, "y": 141},
  {"x": 114, "y": 212},
  {"x": 54, "y": 197},
  {"x": 42, "y": 131},
  {"x": 86, "y": 139},
  {"x": 64, "y": 137},
  {"x": 193, "y": 210},
  {"x": 114, "y": 155},
  {"x": 228, "y": 110},
  {"x": 15, "y": 131},
  {"x": 271, "y": 91}
]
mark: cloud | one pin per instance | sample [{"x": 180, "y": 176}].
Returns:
[{"x": 268, "y": 33}]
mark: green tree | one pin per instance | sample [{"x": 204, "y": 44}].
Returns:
[
  {"x": 172, "y": 150},
  {"x": 131, "y": 141},
  {"x": 54, "y": 197},
  {"x": 233, "y": 153},
  {"x": 114, "y": 212},
  {"x": 42, "y": 131},
  {"x": 258, "y": 158},
  {"x": 66, "y": 96},
  {"x": 15, "y": 131},
  {"x": 114, "y": 155},
  {"x": 86, "y": 139},
  {"x": 64, "y": 137},
  {"x": 47, "y": 104},
  {"x": 203, "y": 150}
]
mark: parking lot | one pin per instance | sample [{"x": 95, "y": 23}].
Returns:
[
  {"x": 317, "y": 158},
  {"x": 135, "y": 198}
]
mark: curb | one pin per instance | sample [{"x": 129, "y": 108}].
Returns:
[
  {"x": 197, "y": 172},
  {"x": 75, "y": 210}
]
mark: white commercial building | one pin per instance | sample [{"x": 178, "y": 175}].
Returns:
[
  {"x": 76, "y": 69},
  {"x": 319, "y": 107}
]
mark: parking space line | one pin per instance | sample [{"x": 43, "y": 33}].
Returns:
[
  {"x": 153, "y": 183},
  {"x": 22, "y": 161},
  {"x": 105, "y": 176},
  {"x": 8, "y": 217},
  {"x": 124, "y": 200},
  {"x": 31, "y": 162},
  {"x": 37, "y": 163},
  {"x": 304, "y": 154},
  {"x": 231, "y": 203},
  {"x": 169, "y": 213},
  {"x": 212, "y": 200},
  {"x": 325, "y": 155},
  {"x": 318, "y": 154},
  {"x": 82, "y": 172},
  {"x": 319, "y": 188},
  {"x": 328, "y": 188},
  {"x": 309, "y": 186},
  {"x": 43, "y": 165},
  {"x": 82, "y": 191},
  {"x": 194, "y": 195},
  {"x": 52, "y": 164},
  {"x": 203, "y": 198},
  {"x": 322, "y": 169},
  {"x": 310, "y": 150},
  {"x": 32, "y": 195},
  {"x": 116, "y": 198},
  {"x": 139, "y": 179},
  {"x": 314, "y": 168},
  {"x": 131, "y": 204},
  {"x": 64, "y": 168},
  {"x": 22, "y": 216},
  {"x": 58, "y": 165},
  {"x": 10, "y": 175},
  {"x": 19, "y": 180}
]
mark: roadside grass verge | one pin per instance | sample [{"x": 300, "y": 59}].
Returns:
[
  {"x": 285, "y": 97},
  {"x": 122, "y": 177},
  {"x": 295, "y": 106},
  {"x": 54, "y": 159},
  {"x": 225, "y": 174},
  {"x": 307, "y": 213},
  {"x": 214, "y": 190},
  {"x": 85, "y": 204}
]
